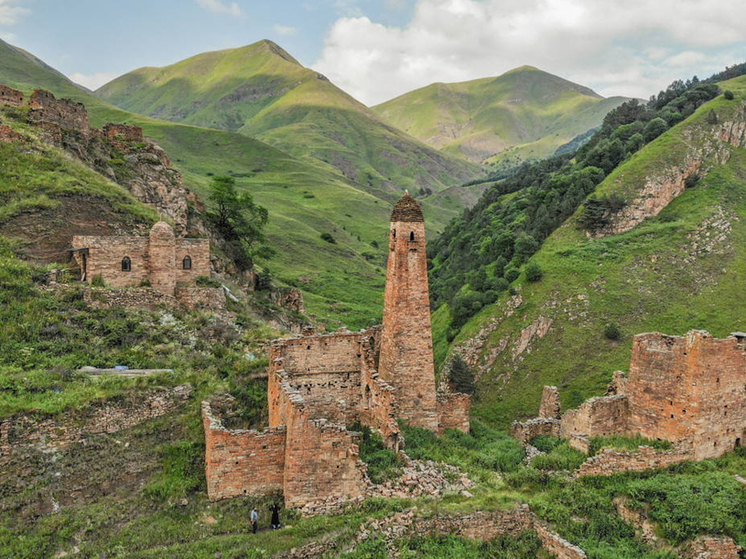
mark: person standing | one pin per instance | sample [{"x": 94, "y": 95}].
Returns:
[
  {"x": 254, "y": 520},
  {"x": 275, "y": 516}
]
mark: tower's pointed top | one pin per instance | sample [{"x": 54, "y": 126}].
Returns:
[{"x": 407, "y": 209}]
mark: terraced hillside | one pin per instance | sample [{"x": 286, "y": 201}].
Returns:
[
  {"x": 671, "y": 260},
  {"x": 521, "y": 115},
  {"x": 261, "y": 91}
]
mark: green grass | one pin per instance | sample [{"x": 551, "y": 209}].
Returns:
[
  {"x": 639, "y": 280},
  {"x": 481, "y": 120}
]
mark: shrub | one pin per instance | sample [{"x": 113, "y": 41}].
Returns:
[
  {"x": 728, "y": 95},
  {"x": 533, "y": 272},
  {"x": 145, "y": 283},
  {"x": 561, "y": 457},
  {"x": 511, "y": 274},
  {"x": 461, "y": 376},
  {"x": 328, "y": 238},
  {"x": 206, "y": 281},
  {"x": 545, "y": 443},
  {"x": 383, "y": 463},
  {"x": 98, "y": 281},
  {"x": 612, "y": 332},
  {"x": 692, "y": 180},
  {"x": 597, "y": 212}
]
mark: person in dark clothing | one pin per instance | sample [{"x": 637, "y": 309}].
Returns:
[
  {"x": 275, "y": 516},
  {"x": 254, "y": 520}
]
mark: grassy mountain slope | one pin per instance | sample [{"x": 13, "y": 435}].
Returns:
[
  {"x": 673, "y": 272},
  {"x": 261, "y": 91},
  {"x": 523, "y": 114},
  {"x": 305, "y": 198}
]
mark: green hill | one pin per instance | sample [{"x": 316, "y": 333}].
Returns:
[
  {"x": 521, "y": 115},
  {"x": 261, "y": 91},
  {"x": 305, "y": 198},
  {"x": 670, "y": 271}
]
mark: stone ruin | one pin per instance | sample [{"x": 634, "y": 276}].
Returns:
[
  {"x": 167, "y": 264},
  {"x": 689, "y": 390},
  {"x": 148, "y": 174},
  {"x": 319, "y": 385}
]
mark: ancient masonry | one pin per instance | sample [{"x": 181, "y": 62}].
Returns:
[
  {"x": 321, "y": 384},
  {"x": 689, "y": 390},
  {"x": 161, "y": 261}
]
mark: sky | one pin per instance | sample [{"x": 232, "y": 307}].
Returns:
[{"x": 379, "y": 49}]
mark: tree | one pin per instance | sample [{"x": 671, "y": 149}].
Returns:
[
  {"x": 655, "y": 128},
  {"x": 461, "y": 376},
  {"x": 533, "y": 272},
  {"x": 728, "y": 95},
  {"x": 239, "y": 221}
]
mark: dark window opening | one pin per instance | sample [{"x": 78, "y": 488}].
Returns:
[
  {"x": 393, "y": 233},
  {"x": 411, "y": 236},
  {"x": 738, "y": 442},
  {"x": 187, "y": 263},
  {"x": 126, "y": 264}
]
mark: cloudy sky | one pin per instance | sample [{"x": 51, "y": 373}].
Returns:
[{"x": 378, "y": 49}]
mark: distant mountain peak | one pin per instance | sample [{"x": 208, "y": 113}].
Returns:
[{"x": 276, "y": 49}]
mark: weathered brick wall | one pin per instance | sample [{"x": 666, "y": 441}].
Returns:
[
  {"x": 200, "y": 297},
  {"x": 66, "y": 114},
  {"x": 321, "y": 461},
  {"x": 338, "y": 352},
  {"x": 453, "y": 411},
  {"x": 689, "y": 390},
  {"x": 162, "y": 258},
  {"x": 241, "y": 462},
  {"x": 140, "y": 297},
  {"x": 610, "y": 461},
  {"x": 378, "y": 398},
  {"x": 550, "y": 403},
  {"x": 597, "y": 417},
  {"x": 527, "y": 430},
  {"x": 7, "y": 134},
  {"x": 406, "y": 358},
  {"x": 122, "y": 132},
  {"x": 199, "y": 251},
  {"x": 556, "y": 545},
  {"x": 104, "y": 257},
  {"x": 712, "y": 547},
  {"x": 11, "y": 97},
  {"x": 106, "y": 416}
]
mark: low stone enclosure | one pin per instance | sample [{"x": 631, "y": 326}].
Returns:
[
  {"x": 689, "y": 390},
  {"x": 317, "y": 386}
]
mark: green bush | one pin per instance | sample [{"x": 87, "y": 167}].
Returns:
[
  {"x": 545, "y": 443},
  {"x": 612, "y": 332},
  {"x": 206, "y": 281},
  {"x": 728, "y": 94},
  {"x": 533, "y": 272},
  {"x": 383, "y": 463},
  {"x": 561, "y": 457},
  {"x": 328, "y": 238},
  {"x": 98, "y": 281},
  {"x": 461, "y": 377}
]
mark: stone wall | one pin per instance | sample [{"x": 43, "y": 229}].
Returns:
[
  {"x": 122, "y": 132},
  {"x": 712, "y": 547},
  {"x": 143, "y": 297},
  {"x": 527, "y": 430},
  {"x": 212, "y": 298},
  {"x": 597, "y": 417},
  {"x": 10, "y": 97},
  {"x": 7, "y": 134},
  {"x": 556, "y": 545},
  {"x": 321, "y": 461},
  {"x": 453, "y": 411},
  {"x": 66, "y": 114},
  {"x": 106, "y": 416},
  {"x": 689, "y": 390},
  {"x": 158, "y": 259},
  {"x": 550, "y": 403},
  {"x": 406, "y": 358},
  {"x": 610, "y": 461},
  {"x": 240, "y": 462}
]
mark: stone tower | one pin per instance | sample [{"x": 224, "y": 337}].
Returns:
[
  {"x": 162, "y": 258},
  {"x": 406, "y": 357}
]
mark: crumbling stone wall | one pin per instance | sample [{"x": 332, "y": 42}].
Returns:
[
  {"x": 7, "y": 134},
  {"x": 240, "y": 462},
  {"x": 713, "y": 547},
  {"x": 597, "y": 417},
  {"x": 550, "y": 403},
  {"x": 557, "y": 546},
  {"x": 406, "y": 359},
  {"x": 526, "y": 430},
  {"x": 66, "y": 114},
  {"x": 689, "y": 390},
  {"x": 158, "y": 259},
  {"x": 190, "y": 297},
  {"x": 610, "y": 461},
  {"x": 453, "y": 411},
  {"x": 107, "y": 416},
  {"x": 122, "y": 132},
  {"x": 10, "y": 97}
]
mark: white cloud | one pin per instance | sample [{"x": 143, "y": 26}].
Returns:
[
  {"x": 623, "y": 48},
  {"x": 285, "y": 30},
  {"x": 11, "y": 11},
  {"x": 219, "y": 7},
  {"x": 93, "y": 81}
]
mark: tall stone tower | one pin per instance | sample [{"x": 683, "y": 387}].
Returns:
[
  {"x": 406, "y": 357},
  {"x": 162, "y": 257}
]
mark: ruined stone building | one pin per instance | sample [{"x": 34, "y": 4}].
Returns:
[
  {"x": 161, "y": 260},
  {"x": 320, "y": 385},
  {"x": 689, "y": 390}
]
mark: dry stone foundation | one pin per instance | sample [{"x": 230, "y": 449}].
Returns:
[{"x": 319, "y": 385}]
